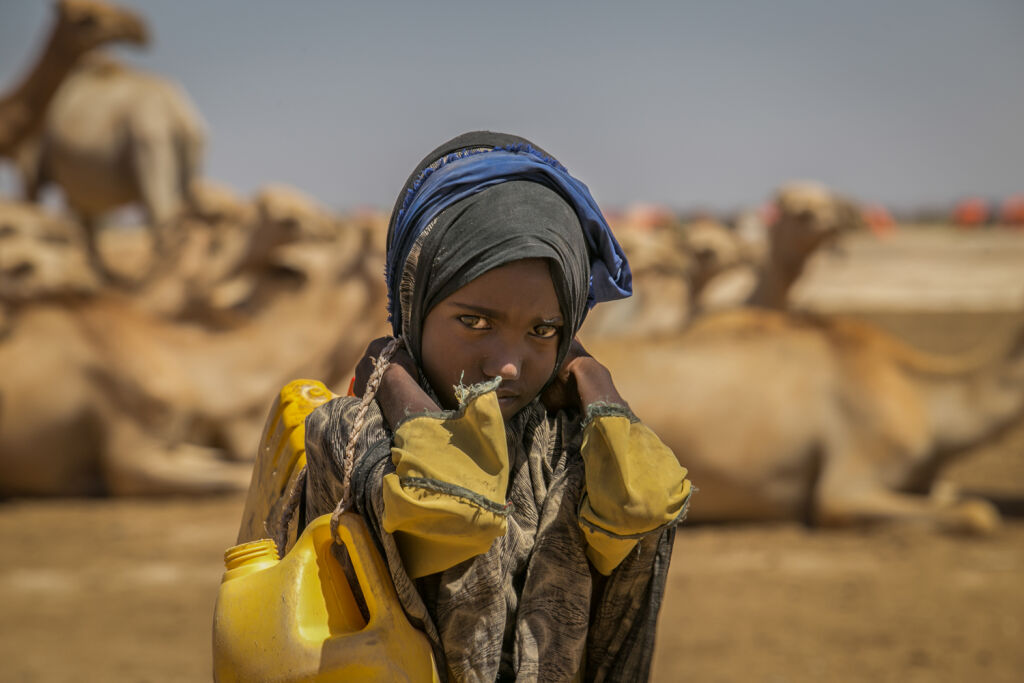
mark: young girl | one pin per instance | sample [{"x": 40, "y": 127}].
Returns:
[{"x": 525, "y": 514}]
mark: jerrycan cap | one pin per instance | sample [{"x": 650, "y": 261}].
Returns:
[{"x": 251, "y": 556}]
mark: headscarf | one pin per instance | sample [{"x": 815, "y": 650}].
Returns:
[{"x": 482, "y": 200}]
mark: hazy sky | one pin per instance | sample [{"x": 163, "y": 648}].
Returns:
[{"x": 694, "y": 104}]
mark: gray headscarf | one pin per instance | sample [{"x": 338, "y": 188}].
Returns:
[{"x": 506, "y": 221}]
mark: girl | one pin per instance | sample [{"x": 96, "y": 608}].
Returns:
[{"x": 525, "y": 514}]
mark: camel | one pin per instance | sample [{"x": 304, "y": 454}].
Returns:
[
  {"x": 128, "y": 403},
  {"x": 810, "y": 216},
  {"x": 682, "y": 271},
  {"x": 829, "y": 420},
  {"x": 672, "y": 266},
  {"x": 80, "y": 26},
  {"x": 718, "y": 250},
  {"x": 213, "y": 238},
  {"x": 233, "y": 257},
  {"x": 251, "y": 263},
  {"x": 41, "y": 257},
  {"x": 663, "y": 272},
  {"x": 113, "y": 136}
]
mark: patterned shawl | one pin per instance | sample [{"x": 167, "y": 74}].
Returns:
[{"x": 531, "y": 608}]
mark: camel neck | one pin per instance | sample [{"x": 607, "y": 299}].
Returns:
[
  {"x": 776, "y": 279},
  {"x": 22, "y": 112}
]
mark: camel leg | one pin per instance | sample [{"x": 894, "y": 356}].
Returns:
[
  {"x": 156, "y": 171},
  {"x": 137, "y": 463},
  {"x": 92, "y": 245},
  {"x": 848, "y": 493},
  {"x": 96, "y": 259},
  {"x": 28, "y": 158},
  {"x": 872, "y": 505}
]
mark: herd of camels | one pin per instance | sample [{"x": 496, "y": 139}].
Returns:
[{"x": 146, "y": 365}]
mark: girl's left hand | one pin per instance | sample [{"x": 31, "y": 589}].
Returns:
[{"x": 581, "y": 381}]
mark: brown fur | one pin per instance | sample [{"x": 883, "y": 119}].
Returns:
[
  {"x": 797, "y": 417},
  {"x": 79, "y": 26},
  {"x": 115, "y": 136},
  {"x": 100, "y": 395}
]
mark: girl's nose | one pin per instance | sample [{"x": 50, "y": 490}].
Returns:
[{"x": 505, "y": 362}]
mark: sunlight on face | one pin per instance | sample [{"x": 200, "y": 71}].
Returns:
[{"x": 506, "y": 322}]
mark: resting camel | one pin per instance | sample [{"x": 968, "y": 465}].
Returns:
[
  {"x": 785, "y": 416},
  {"x": 671, "y": 267},
  {"x": 126, "y": 403},
  {"x": 80, "y": 26},
  {"x": 678, "y": 270},
  {"x": 234, "y": 254},
  {"x": 114, "y": 136},
  {"x": 809, "y": 216},
  {"x": 41, "y": 257},
  {"x": 255, "y": 262}
]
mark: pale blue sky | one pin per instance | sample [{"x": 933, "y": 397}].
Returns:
[{"x": 708, "y": 104}]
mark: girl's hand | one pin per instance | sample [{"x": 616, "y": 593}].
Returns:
[
  {"x": 400, "y": 361},
  {"x": 399, "y": 394},
  {"x": 581, "y": 381}
]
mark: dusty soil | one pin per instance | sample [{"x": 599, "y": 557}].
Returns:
[
  {"x": 112, "y": 590},
  {"x": 123, "y": 590},
  {"x": 787, "y": 603}
]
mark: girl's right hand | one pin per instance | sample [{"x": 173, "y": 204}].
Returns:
[{"x": 401, "y": 361}]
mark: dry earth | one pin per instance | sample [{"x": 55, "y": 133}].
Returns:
[{"x": 123, "y": 590}]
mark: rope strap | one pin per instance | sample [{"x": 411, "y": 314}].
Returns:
[{"x": 380, "y": 364}]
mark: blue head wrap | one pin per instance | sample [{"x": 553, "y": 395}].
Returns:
[{"x": 464, "y": 172}]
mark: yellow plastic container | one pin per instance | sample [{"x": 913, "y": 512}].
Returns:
[
  {"x": 298, "y": 618},
  {"x": 279, "y": 459},
  {"x": 303, "y": 617}
]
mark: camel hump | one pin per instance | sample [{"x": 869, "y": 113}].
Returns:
[
  {"x": 280, "y": 459},
  {"x": 983, "y": 356},
  {"x": 850, "y": 333}
]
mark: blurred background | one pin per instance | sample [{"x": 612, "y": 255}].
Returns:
[{"x": 193, "y": 202}]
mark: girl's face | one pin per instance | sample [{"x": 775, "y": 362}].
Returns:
[{"x": 506, "y": 322}]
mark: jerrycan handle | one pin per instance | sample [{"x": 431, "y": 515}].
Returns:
[{"x": 368, "y": 575}]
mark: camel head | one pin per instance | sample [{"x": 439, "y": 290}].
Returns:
[
  {"x": 290, "y": 226},
  {"x": 715, "y": 249},
  {"x": 85, "y": 24},
  {"x": 655, "y": 252},
  {"x": 218, "y": 205},
  {"x": 810, "y": 216},
  {"x": 42, "y": 256}
]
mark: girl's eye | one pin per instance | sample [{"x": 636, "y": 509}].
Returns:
[
  {"x": 474, "y": 322},
  {"x": 545, "y": 331}
]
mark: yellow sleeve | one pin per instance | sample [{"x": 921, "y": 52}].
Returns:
[
  {"x": 635, "y": 486},
  {"x": 445, "y": 502}
]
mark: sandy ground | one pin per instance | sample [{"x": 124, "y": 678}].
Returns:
[{"x": 123, "y": 590}]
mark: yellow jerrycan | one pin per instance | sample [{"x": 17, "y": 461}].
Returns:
[{"x": 325, "y": 611}]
